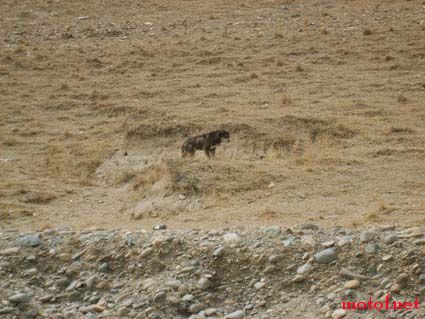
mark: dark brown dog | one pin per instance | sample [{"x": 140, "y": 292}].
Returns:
[{"x": 207, "y": 142}]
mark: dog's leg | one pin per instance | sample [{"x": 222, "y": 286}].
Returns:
[
  {"x": 212, "y": 152},
  {"x": 207, "y": 152}
]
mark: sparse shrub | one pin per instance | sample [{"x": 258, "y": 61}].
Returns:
[
  {"x": 401, "y": 98},
  {"x": 286, "y": 100},
  {"x": 367, "y": 31},
  {"x": 10, "y": 141},
  {"x": 299, "y": 68},
  {"x": 279, "y": 63}
]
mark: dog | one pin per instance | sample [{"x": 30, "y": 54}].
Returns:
[{"x": 207, "y": 142}]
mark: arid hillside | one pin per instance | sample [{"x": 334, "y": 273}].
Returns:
[{"x": 324, "y": 100}]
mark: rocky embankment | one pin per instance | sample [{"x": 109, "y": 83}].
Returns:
[{"x": 302, "y": 272}]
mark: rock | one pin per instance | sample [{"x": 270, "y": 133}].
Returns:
[
  {"x": 10, "y": 251},
  {"x": 273, "y": 230},
  {"x": 328, "y": 243},
  {"x": 288, "y": 242},
  {"x": 146, "y": 252},
  {"x": 352, "y": 284},
  {"x": 187, "y": 298},
  {"x": 148, "y": 283},
  {"x": 182, "y": 197},
  {"x": 104, "y": 268},
  {"x": 345, "y": 273},
  {"x": 195, "y": 308},
  {"x": 338, "y": 314},
  {"x": 367, "y": 236},
  {"x": 20, "y": 298},
  {"x": 229, "y": 237},
  {"x": 6, "y": 310},
  {"x": 159, "y": 227},
  {"x": 235, "y": 315},
  {"x": 344, "y": 241},
  {"x": 306, "y": 268},
  {"x": 259, "y": 285},
  {"x": 204, "y": 283},
  {"x": 387, "y": 257},
  {"x": 326, "y": 256},
  {"x": 389, "y": 239},
  {"x": 32, "y": 240},
  {"x": 396, "y": 288},
  {"x": 92, "y": 308},
  {"x": 210, "y": 311},
  {"x": 298, "y": 278},
  {"x": 371, "y": 249},
  {"x": 420, "y": 241},
  {"x": 218, "y": 251},
  {"x": 174, "y": 284},
  {"x": 422, "y": 278}
]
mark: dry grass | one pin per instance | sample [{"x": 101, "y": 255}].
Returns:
[
  {"x": 401, "y": 98},
  {"x": 77, "y": 160},
  {"x": 286, "y": 100},
  {"x": 10, "y": 141}
]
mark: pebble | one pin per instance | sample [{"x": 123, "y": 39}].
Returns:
[
  {"x": 352, "y": 284},
  {"x": 371, "y": 249},
  {"x": 298, "y": 278},
  {"x": 195, "y": 308},
  {"x": 218, "y": 251},
  {"x": 326, "y": 256},
  {"x": 229, "y": 237},
  {"x": 159, "y": 227},
  {"x": 204, "y": 283},
  {"x": 367, "y": 236},
  {"x": 273, "y": 230},
  {"x": 235, "y": 315},
  {"x": 389, "y": 239},
  {"x": 387, "y": 257},
  {"x": 10, "y": 251},
  {"x": 338, "y": 314},
  {"x": 32, "y": 240},
  {"x": 20, "y": 298},
  {"x": 306, "y": 268},
  {"x": 146, "y": 252}
]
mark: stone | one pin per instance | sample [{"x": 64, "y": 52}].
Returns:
[
  {"x": 367, "y": 236},
  {"x": 32, "y": 240},
  {"x": 339, "y": 314},
  {"x": 298, "y": 278},
  {"x": 371, "y": 249},
  {"x": 273, "y": 230},
  {"x": 20, "y": 298},
  {"x": 306, "y": 268},
  {"x": 387, "y": 257},
  {"x": 352, "y": 284},
  {"x": 326, "y": 256},
  {"x": 231, "y": 237},
  {"x": 195, "y": 308},
  {"x": 210, "y": 311},
  {"x": 218, "y": 251},
  {"x": 422, "y": 278},
  {"x": 146, "y": 252},
  {"x": 235, "y": 315},
  {"x": 204, "y": 283},
  {"x": 389, "y": 239},
  {"x": 10, "y": 251},
  {"x": 259, "y": 285},
  {"x": 159, "y": 227}
]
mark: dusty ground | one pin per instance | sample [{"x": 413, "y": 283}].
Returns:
[{"x": 324, "y": 101}]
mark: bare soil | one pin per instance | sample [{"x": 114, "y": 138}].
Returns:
[{"x": 324, "y": 101}]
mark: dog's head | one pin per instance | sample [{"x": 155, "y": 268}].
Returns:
[{"x": 225, "y": 135}]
